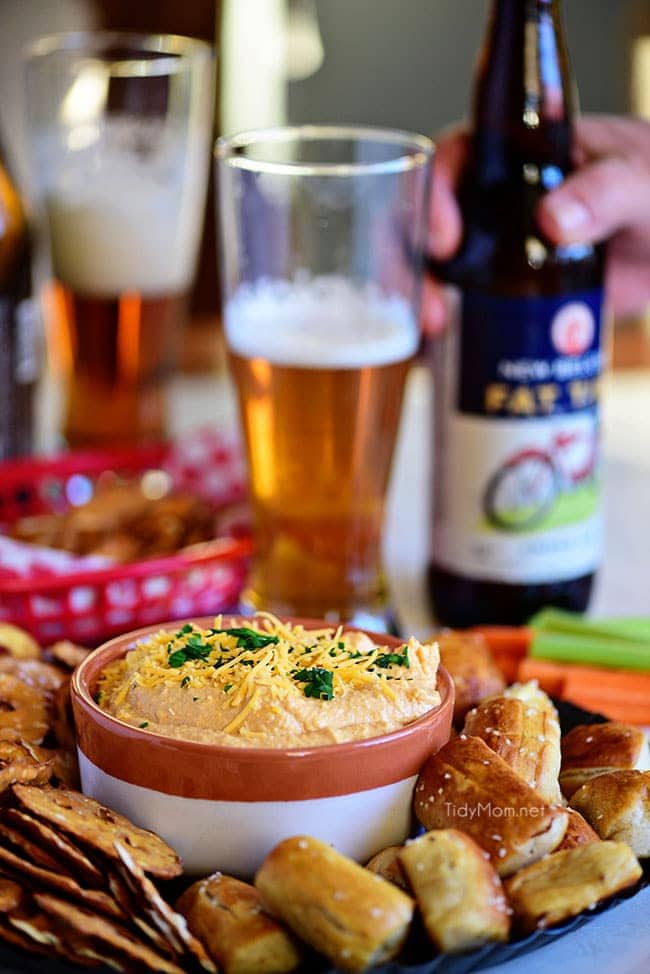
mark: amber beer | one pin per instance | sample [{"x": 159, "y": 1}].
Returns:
[
  {"x": 122, "y": 262},
  {"x": 119, "y": 127},
  {"x": 115, "y": 354},
  {"x": 322, "y": 233},
  {"x": 320, "y": 391}
]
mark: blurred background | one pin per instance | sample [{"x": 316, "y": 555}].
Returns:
[
  {"x": 404, "y": 63},
  {"x": 396, "y": 63}
]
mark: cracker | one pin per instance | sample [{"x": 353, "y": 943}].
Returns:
[
  {"x": 16, "y": 842},
  {"x": 76, "y": 861},
  {"x": 23, "y": 710},
  {"x": 34, "y": 672},
  {"x": 18, "y": 938},
  {"x": 38, "y": 876},
  {"x": 65, "y": 764},
  {"x": 37, "y": 933},
  {"x": 99, "y": 828},
  {"x": 18, "y": 643},
  {"x": 61, "y": 719},
  {"x": 65, "y": 768},
  {"x": 131, "y": 908},
  {"x": 85, "y": 953},
  {"x": 68, "y": 654},
  {"x": 116, "y": 938},
  {"x": 173, "y": 926},
  {"x": 18, "y": 764},
  {"x": 11, "y": 894},
  {"x": 21, "y": 932},
  {"x": 36, "y": 930}
]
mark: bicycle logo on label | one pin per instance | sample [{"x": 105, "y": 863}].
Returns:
[{"x": 524, "y": 489}]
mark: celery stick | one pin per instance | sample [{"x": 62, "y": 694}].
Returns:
[
  {"x": 555, "y": 620},
  {"x": 591, "y": 650}
]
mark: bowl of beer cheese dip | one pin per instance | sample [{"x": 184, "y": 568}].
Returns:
[{"x": 227, "y": 735}]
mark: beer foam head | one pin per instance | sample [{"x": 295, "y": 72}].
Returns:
[
  {"x": 123, "y": 205},
  {"x": 324, "y": 322}
]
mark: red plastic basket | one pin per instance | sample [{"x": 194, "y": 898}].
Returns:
[{"x": 89, "y": 605}]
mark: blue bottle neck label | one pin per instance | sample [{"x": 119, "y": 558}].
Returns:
[{"x": 528, "y": 357}]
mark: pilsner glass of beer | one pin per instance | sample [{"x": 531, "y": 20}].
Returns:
[
  {"x": 322, "y": 233},
  {"x": 120, "y": 130}
]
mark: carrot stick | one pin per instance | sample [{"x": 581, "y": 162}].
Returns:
[
  {"x": 620, "y": 694},
  {"x": 550, "y": 676},
  {"x": 507, "y": 639},
  {"x": 603, "y": 680},
  {"x": 628, "y": 713}
]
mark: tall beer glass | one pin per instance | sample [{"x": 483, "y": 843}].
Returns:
[
  {"x": 322, "y": 237},
  {"x": 120, "y": 128}
]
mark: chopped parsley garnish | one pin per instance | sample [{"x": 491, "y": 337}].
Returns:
[
  {"x": 356, "y": 655},
  {"x": 341, "y": 645},
  {"x": 196, "y": 642},
  {"x": 385, "y": 660},
  {"x": 228, "y": 687},
  {"x": 145, "y": 723},
  {"x": 247, "y": 662},
  {"x": 179, "y": 657},
  {"x": 194, "y": 648},
  {"x": 248, "y": 638},
  {"x": 185, "y": 681},
  {"x": 188, "y": 627},
  {"x": 318, "y": 682},
  {"x": 332, "y": 652}
]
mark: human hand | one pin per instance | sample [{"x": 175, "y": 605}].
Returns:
[{"x": 608, "y": 197}]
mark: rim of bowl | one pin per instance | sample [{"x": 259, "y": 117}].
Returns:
[{"x": 80, "y": 688}]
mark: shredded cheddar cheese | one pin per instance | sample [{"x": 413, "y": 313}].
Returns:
[{"x": 234, "y": 672}]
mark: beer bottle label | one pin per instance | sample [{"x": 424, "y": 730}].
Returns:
[{"x": 518, "y": 493}]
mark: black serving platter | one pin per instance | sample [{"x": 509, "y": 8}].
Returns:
[{"x": 417, "y": 958}]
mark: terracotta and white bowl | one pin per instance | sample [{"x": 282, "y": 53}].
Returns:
[{"x": 226, "y": 807}]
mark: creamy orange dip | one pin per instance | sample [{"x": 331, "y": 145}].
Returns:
[{"x": 270, "y": 684}]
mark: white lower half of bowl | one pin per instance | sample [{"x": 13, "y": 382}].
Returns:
[{"x": 235, "y": 837}]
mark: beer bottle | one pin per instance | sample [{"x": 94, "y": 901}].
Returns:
[
  {"x": 517, "y": 516},
  {"x": 18, "y": 358}
]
